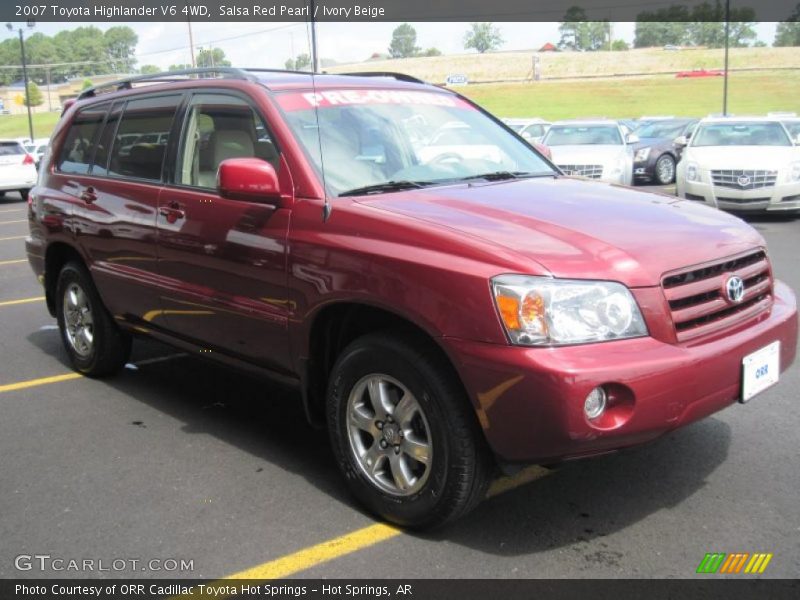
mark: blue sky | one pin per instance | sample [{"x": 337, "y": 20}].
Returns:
[{"x": 270, "y": 44}]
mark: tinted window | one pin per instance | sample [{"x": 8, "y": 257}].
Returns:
[
  {"x": 77, "y": 149},
  {"x": 597, "y": 135},
  {"x": 741, "y": 134},
  {"x": 106, "y": 140},
  {"x": 10, "y": 149},
  {"x": 141, "y": 138},
  {"x": 219, "y": 127}
]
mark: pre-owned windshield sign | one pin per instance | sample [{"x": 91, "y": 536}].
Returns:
[{"x": 327, "y": 98}]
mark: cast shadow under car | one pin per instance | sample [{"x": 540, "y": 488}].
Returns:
[{"x": 580, "y": 501}]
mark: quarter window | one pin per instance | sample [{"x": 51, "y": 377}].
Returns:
[
  {"x": 141, "y": 138},
  {"x": 76, "y": 153},
  {"x": 219, "y": 127}
]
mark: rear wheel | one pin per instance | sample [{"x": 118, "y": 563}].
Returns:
[
  {"x": 403, "y": 432},
  {"x": 95, "y": 344},
  {"x": 24, "y": 193},
  {"x": 665, "y": 169}
]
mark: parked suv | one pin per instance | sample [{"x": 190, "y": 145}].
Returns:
[{"x": 440, "y": 317}]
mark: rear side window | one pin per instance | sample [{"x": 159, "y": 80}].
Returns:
[
  {"x": 76, "y": 153},
  {"x": 106, "y": 140},
  {"x": 10, "y": 149},
  {"x": 141, "y": 138}
]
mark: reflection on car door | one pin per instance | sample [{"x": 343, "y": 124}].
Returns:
[
  {"x": 115, "y": 220},
  {"x": 223, "y": 260}
]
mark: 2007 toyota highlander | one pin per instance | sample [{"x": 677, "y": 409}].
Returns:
[{"x": 445, "y": 299}]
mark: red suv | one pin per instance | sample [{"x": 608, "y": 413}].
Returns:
[{"x": 445, "y": 300}]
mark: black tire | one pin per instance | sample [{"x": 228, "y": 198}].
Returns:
[
  {"x": 659, "y": 173},
  {"x": 110, "y": 346},
  {"x": 461, "y": 465},
  {"x": 24, "y": 193}
]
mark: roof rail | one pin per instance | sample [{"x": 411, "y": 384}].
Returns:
[
  {"x": 165, "y": 76},
  {"x": 393, "y": 75}
]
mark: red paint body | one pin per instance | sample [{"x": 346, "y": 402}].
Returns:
[{"x": 247, "y": 279}]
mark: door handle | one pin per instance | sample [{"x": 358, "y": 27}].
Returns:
[
  {"x": 88, "y": 195},
  {"x": 172, "y": 212}
]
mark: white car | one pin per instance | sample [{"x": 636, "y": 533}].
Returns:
[
  {"x": 17, "y": 168},
  {"x": 741, "y": 164},
  {"x": 456, "y": 141},
  {"x": 37, "y": 148},
  {"x": 597, "y": 149},
  {"x": 530, "y": 129}
]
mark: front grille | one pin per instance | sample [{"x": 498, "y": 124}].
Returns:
[
  {"x": 743, "y": 179},
  {"x": 794, "y": 198},
  {"x": 698, "y": 299},
  {"x": 742, "y": 200},
  {"x": 695, "y": 197},
  {"x": 590, "y": 171}
]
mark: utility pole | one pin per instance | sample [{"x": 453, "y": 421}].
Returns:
[
  {"x": 191, "y": 43},
  {"x": 727, "y": 43},
  {"x": 314, "y": 55}
]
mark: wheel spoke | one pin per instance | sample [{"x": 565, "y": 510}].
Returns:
[
  {"x": 403, "y": 478},
  {"x": 379, "y": 398},
  {"x": 418, "y": 450},
  {"x": 373, "y": 458},
  {"x": 363, "y": 421},
  {"x": 405, "y": 410}
]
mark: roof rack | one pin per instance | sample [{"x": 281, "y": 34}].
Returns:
[
  {"x": 393, "y": 75},
  {"x": 166, "y": 76}
]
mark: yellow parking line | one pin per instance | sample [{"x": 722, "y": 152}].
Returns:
[
  {"x": 11, "y": 222},
  {"x": 22, "y": 301},
  {"x": 525, "y": 476},
  {"x": 13, "y": 237},
  {"x": 21, "y": 385},
  {"x": 13, "y": 262}
]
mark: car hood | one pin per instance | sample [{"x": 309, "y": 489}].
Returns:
[
  {"x": 742, "y": 157},
  {"x": 586, "y": 154},
  {"x": 580, "y": 229}
]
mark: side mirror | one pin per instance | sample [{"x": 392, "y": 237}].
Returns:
[
  {"x": 681, "y": 140},
  {"x": 250, "y": 179},
  {"x": 631, "y": 138}
]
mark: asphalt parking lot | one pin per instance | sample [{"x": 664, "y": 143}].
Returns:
[{"x": 180, "y": 459}]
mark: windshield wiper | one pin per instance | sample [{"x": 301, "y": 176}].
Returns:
[
  {"x": 504, "y": 176},
  {"x": 387, "y": 186}
]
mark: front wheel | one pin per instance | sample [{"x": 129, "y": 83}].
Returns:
[
  {"x": 95, "y": 344},
  {"x": 665, "y": 169},
  {"x": 24, "y": 193},
  {"x": 403, "y": 431}
]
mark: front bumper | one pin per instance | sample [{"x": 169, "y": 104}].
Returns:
[
  {"x": 529, "y": 401},
  {"x": 783, "y": 197}
]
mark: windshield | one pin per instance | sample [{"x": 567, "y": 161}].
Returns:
[
  {"x": 580, "y": 135},
  {"x": 10, "y": 149},
  {"x": 373, "y": 137},
  {"x": 662, "y": 129},
  {"x": 741, "y": 134}
]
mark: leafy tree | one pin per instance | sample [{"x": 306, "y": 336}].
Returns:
[
  {"x": 788, "y": 32},
  {"x": 303, "y": 61},
  {"x": 431, "y": 52},
  {"x": 182, "y": 67},
  {"x": 34, "y": 96},
  {"x": 666, "y": 26},
  {"x": 212, "y": 57},
  {"x": 579, "y": 34},
  {"x": 87, "y": 83},
  {"x": 404, "y": 42},
  {"x": 149, "y": 69},
  {"x": 120, "y": 47},
  {"x": 618, "y": 45},
  {"x": 483, "y": 37},
  {"x": 704, "y": 25}
]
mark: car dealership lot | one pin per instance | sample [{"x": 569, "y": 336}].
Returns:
[{"x": 180, "y": 459}]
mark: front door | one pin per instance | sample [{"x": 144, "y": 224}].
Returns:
[{"x": 223, "y": 262}]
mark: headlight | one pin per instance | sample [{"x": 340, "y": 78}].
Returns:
[
  {"x": 692, "y": 172},
  {"x": 794, "y": 171},
  {"x": 542, "y": 311},
  {"x": 641, "y": 154}
]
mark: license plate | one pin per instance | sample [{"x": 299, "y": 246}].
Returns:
[{"x": 760, "y": 370}]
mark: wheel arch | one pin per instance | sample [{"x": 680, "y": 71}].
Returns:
[{"x": 56, "y": 256}]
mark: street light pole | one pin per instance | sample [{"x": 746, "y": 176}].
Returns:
[
  {"x": 727, "y": 40},
  {"x": 25, "y": 76}
]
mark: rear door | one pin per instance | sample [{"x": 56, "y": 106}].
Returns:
[
  {"x": 115, "y": 220},
  {"x": 224, "y": 260}
]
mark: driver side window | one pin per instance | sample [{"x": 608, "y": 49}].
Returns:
[{"x": 218, "y": 127}]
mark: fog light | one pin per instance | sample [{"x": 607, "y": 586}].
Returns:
[{"x": 595, "y": 403}]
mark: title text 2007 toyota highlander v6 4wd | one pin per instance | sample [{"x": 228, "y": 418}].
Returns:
[{"x": 445, "y": 299}]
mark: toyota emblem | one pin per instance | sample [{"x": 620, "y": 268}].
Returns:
[
  {"x": 744, "y": 181},
  {"x": 734, "y": 288}
]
